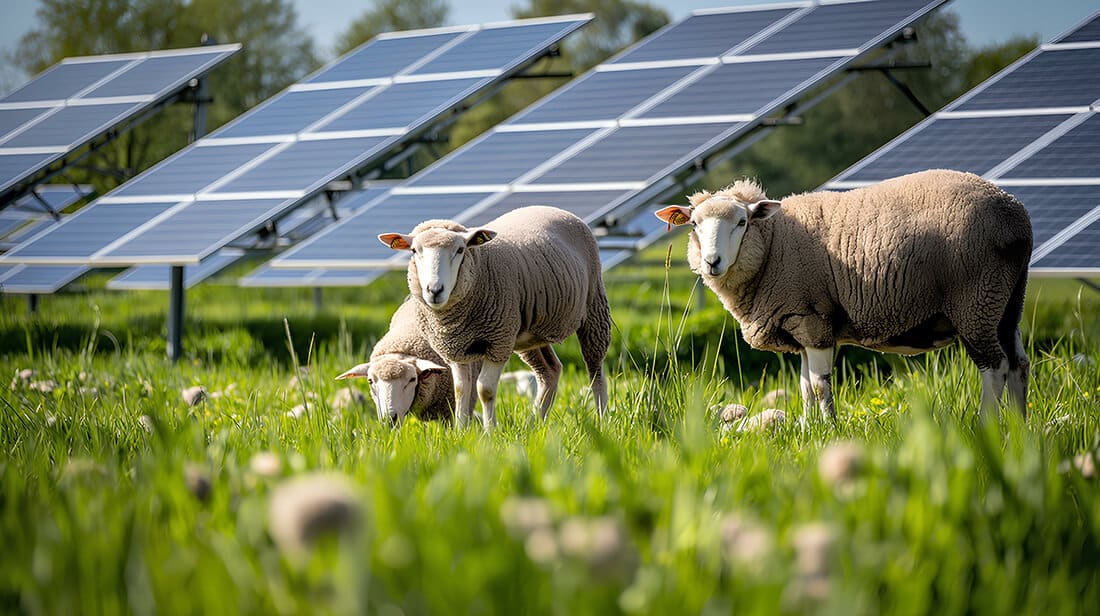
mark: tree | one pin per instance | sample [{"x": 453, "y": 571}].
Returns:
[
  {"x": 276, "y": 53},
  {"x": 392, "y": 16}
]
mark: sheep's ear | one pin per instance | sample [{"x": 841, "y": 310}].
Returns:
[
  {"x": 477, "y": 237},
  {"x": 425, "y": 368},
  {"x": 763, "y": 209},
  {"x": 396, "y": 241},
  {"x": 359, "y": 371},
  {"x": 674, "y": 214}
]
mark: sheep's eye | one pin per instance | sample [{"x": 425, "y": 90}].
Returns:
[
  {"x": 741, "y": 223},
  {"x": 412, "y": 380},
  {"x": 460, "y": 250}
]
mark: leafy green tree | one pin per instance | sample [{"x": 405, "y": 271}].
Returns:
[
  {"x": 276, "y": 52},
  {"x": 391, "y": 16}
]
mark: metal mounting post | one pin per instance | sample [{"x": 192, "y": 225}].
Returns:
[
  {"x": 175, "y": 312},
  {"x": 32, "y": 303}
]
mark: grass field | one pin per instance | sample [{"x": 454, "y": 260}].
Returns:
[{"x": 116, "y": 496}]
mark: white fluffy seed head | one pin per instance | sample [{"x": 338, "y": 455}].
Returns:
[
  {"x": 266, "y": 464},
  {"x": 193, "y": 396},
  {"x": 309, "y": 507},
  {"x": 745, "y": 543}
]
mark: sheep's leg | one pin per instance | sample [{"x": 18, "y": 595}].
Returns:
[
  {"x": 465, "y": 376},
  {"x": 992, "y": 363},
  {"x": 817, "y": 389},
  {"x": 1019, "y": 369},
  {"x": 547, "y": 368},
  {"x": 993, "y": 386},
  {"x": 595, "y": 337},
  {"x": 487, "y": 390}
]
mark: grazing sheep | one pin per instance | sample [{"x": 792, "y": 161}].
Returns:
[
  {"x": 904, "y": 266},
  {"x": 405, "y": 373},
  {"x": 479, "y": 299}
]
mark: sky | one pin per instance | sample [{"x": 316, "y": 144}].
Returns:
[{"x": 982, "y": 21}]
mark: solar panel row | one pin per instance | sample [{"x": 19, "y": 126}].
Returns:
[
  {"x": 627, "y": 125},
  {"x": 1033, "y": 129},
  {"x": 79, "y": 99},
  {"x": 342, "y": 119}
]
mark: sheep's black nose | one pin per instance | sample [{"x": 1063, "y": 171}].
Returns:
[
  {"x": 713, "y": 262},
  {"x": 434, "y": 290}
]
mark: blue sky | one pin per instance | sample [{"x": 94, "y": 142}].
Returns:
[{"x": 983, "y": 21}]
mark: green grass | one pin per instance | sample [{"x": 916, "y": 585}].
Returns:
[{"x": 944, "y": 514}]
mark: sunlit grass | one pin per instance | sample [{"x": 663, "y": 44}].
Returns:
[{"x": 944, "y": 513}]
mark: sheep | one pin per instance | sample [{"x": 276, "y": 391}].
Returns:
[
  {"x": 904, "y": 266},
  {"x": 526, "y": 281},
  {"x": 405, "y": 373}
]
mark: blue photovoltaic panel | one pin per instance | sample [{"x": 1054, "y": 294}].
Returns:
[
  {"x": 91, "y": 229},
  {"x": 78, "y": 99},
  {"x": 257, "y": 159},
  {"x": 1032, "y": 129},
  {"x": 616, "y": 133},
  {"x": 39, "y": 279},
  {"x": 485, "y": 49},
  {"x": 1053, "y": 208},
  {"x": 191, "y": 170},
  {"x": 847, "y": 25},
  {"x": 297, "y": 167},
  {"x": 635, "y": 153},
  {"x": 584, "y": 203},
  {"x": 358, "y": 234},
  {"x": 11, "y": 119},
  {"x": 156, "y": 277},
  {"x": 741, "y": 87},
  {"x": 1061, "y": 78},
  {"x": 1079, "y": 254},
  {"x": 154, "y": 74},
  {"x": 289, "y": 112},
  {"x": 603, "y": 95},
  {"x": 57, "y": 196},
  {"x": 70, "y": 126},
  {"x": 1075, "y": 154},
  {"x": 64, "y": 80},
  {"x": 384, "y": 57},
  {"x": 11, "y": 223},
  {"x": 193, "y": 228},
  {"x": 1086, "y": 32},
  {"x": 966, "y": 144},
  {"x": 403, "y": 104},
  {"x": 266, "y": 276},
  {"x": 30, "y": 210},
  {"x": 499, "y": 158},
  {"x": 704, "y": 35}
]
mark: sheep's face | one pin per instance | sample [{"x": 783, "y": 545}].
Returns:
[
  {"x": 437, "y": 257},
  {"x": 718, "y": 225},
  {"x": 394, "y": 380}
]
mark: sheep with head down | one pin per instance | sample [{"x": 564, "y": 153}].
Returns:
[
  {"x": 525, "y": 281},
  {"x": 405, "y": 374},
  {"x": 904, "y": 266}
]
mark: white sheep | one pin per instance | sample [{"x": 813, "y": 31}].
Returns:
[
  {"x": 524, "y": 282},
  {"x": 405, "y": 373},
  {"x": 904, "y": 266}
]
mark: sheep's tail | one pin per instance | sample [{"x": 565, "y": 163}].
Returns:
[{"x": 594, "y": 335}]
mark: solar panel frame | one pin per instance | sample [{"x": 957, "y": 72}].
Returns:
[
  {"x": 117, "y": 66},
  {"x": 39, "y": 279},
  {"x": 1047, "y": 166},
  {"x": 564, "y": 25},
  {"x": 156, "y": 277},
  {"x": 635, "y": 117}
]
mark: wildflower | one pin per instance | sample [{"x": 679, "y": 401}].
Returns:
[
  {"x": 523, "y": 516},
  {"x": 744, "y": 542},
  {"x": 193, "y": 396},
  {"x": 876, "y": 401},
  {"x": 309, "y": 507},
  {"x": 198, "y": 483},
  {"x": 21, "y": 378},
  {"x": 775, "y": 397},
  {"x": 601, "y": 543},
  {"x": 45, "y": 387},
  {"x": 766, "y": 420},
  {"x": 840, "y": 463},
  {"x": 266, "y": 464}
]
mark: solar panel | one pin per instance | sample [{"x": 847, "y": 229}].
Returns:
[
  {"x": 29, "y": 210},
  {"x": 267, "y": 276},
  {"x": 343, "y": 119},
  {"x": 78, "y": 99},
  {"x": 1033, "y": 129},
  {"x": 39, "y": 279},
  {"x": 156, "y": 277},
  {"x": 606, "y": 140}
]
